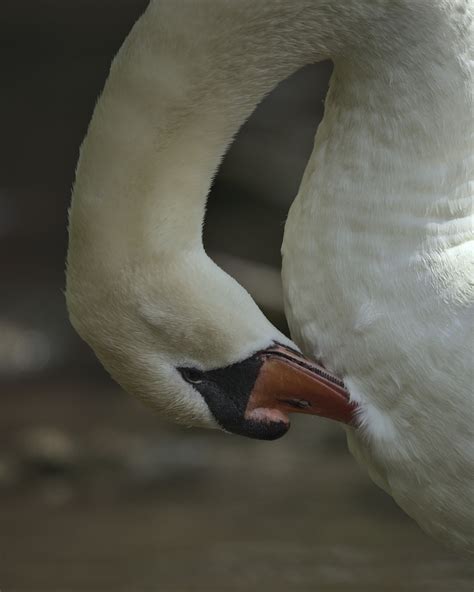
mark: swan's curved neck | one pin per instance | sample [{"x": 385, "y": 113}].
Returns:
[
  {"x": 179, "y": 89},
  {"x": 186, "y": 79}
]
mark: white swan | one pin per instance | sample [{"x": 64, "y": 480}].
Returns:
[{"x": 376, "y": 252}]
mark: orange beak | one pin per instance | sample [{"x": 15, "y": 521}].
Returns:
[{"x": 289, "y": 383}]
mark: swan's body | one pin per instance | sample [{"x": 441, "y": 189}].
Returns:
[{"x": 376, "y": 256}]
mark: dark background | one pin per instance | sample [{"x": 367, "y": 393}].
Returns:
[{"x": 96, "y": 493}]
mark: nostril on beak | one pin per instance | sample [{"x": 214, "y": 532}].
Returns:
[{"x": 297, "y": 403}]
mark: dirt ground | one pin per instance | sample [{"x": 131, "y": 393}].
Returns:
[{"x": 98, "y": 495}]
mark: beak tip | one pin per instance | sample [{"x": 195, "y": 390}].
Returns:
[{"x": 287, "y": 382}]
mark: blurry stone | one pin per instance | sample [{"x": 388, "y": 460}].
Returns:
[
  {"x": 35, "y": 334},
  {"x": 144, "y": 460},
  {"x": 110, "y": 448},
  {"x": 167, "y": 460},
  {"x": 48, "y": 450},
  {"x": 22, "y": 350}
]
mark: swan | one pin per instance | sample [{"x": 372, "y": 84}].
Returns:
[{"x": 377, "y": 263}]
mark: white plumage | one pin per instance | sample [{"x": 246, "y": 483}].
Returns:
[{"x": 377, "y": 255}]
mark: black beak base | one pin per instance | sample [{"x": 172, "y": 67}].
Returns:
[{"x": 227, "y": 391}]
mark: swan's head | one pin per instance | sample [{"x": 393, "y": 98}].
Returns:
[{"x": 186, "y": 338}]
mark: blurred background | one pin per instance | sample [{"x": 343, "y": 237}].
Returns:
[{"x": 98, "y": 494}]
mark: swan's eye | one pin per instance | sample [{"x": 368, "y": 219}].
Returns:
[{"x": 192, "y": 375}]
